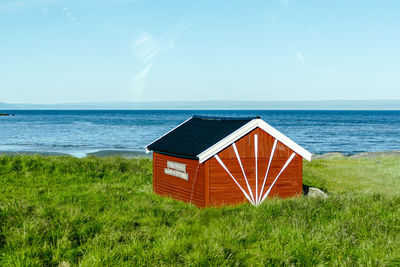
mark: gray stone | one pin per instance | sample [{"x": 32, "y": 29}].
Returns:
[
  {"x": 375, "y": 154},
  {"x": 330, "y": 155},
  {"x": 315, "y": 192}
]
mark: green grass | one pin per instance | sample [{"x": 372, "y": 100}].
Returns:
[
  {"x": 102, "y": 212},
  {"x": 363, "y": 175}
]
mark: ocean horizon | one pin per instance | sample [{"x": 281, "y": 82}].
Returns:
[{"x": 127, "y": 132}]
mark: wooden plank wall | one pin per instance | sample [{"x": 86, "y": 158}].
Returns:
[
  {"x": 175, "y": 187},
  {"x": 223, "y": 190}
]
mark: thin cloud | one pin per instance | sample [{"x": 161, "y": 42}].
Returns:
[
  {"x": 285, "y": 2},
  {"x": 169, "y": 38},
  {"x": 146, "y": 48},
  {"x": 300, "y": 57},
  {"x": 13, "y": 6},
  {"x": 138, "y": 82},
  {"x": 70, "y": 16}
]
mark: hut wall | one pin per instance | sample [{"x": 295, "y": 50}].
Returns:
[
  {"x": 178, "y": 188},
  {"x": 222, "y": 188}
]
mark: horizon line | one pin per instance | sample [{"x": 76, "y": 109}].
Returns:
[{"x": 199, "y": 101}]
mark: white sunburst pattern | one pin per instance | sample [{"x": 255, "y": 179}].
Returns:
[{"x": 259, "y": 196}]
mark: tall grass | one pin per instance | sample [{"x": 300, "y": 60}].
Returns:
[
  {"x": 363, "y": 175},
  {"x": 101, "y": 212}
]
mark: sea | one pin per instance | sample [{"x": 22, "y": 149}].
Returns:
[{"x": 83, "y": 132}]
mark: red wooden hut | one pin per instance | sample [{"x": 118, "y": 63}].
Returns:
[{"x": 213, "y": 161}]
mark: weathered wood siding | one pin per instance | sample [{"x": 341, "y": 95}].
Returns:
[
  {"x": 175, "y": 187},
  {"x": 222, "y": 188}
]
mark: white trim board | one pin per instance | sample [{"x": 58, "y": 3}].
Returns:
[{"x": 245, "y": 129}]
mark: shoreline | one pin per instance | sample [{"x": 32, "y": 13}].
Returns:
[
  {"x": 99, "y": 153},
  {"x": 359, "y": 155},
  {"x": 139, "y": 154}
]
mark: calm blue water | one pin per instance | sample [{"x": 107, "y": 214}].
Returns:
[{"x": 80, "y": 132}]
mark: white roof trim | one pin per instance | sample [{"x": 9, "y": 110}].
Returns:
[{"x": 245, "y": 129}]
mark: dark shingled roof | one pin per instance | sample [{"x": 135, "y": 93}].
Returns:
[{"x": 196, "y": 135}]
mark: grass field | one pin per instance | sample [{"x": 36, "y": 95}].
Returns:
[{"x": 102, "y": 212}]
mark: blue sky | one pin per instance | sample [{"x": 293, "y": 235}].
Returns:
[{"x": 54, "y": 51}]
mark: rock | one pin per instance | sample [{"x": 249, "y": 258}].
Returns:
[
  {"x": 330, "y": 155},
  {"x": 361, "y": 155},
  {"x": 4, "y": 114},
  {"x": 315, "y": 192},
  {"x": 375, "y": 154}
]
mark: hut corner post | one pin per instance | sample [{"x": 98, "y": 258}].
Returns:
[
  {"x": 154, "y": 169},
  {"x": 207, "y": 183}
]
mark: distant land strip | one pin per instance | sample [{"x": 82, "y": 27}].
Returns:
[{"x": 217, "y": 105}]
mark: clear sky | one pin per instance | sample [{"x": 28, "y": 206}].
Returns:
[{"x": 54, "y": 51}]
